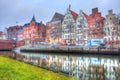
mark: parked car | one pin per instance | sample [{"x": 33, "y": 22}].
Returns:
[
  {"x": 56, "y": 44},
  {"x": 101, "y": 47},
  {"x": 71, "y": 44},
  {"x": 43, "y": 43}
]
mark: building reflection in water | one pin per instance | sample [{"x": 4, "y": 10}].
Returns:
[{"x": 83, "y": 67}]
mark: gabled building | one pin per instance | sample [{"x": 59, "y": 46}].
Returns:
[
  {"x": 54, "y": 28},
  {"x": 82, "y": 29},
  {"x": 111, "y": 29},
  {"x": 95, "y": 28},
  {"x": 68, "y": 26}
]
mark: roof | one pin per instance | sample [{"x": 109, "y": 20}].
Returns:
[
  {"x": 58, "y": 15},
  {"x": 18, "y": 27},
  {"x": 86, "y": 16},
  {"x": 27, "y": 24},
  {"x": 74, "y": 14}
]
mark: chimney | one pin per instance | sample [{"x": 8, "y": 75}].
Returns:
[{"x": 94, "y": 10}]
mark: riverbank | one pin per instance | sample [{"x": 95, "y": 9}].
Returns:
[
  {"x": 5, "y": 49},
  {"x": 14, "y": 70},
  {"x": 69, "y": 49}
]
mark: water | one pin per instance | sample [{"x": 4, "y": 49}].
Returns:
[{"x": 82, "y": 67}]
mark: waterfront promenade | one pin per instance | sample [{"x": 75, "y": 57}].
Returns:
[{"x": 70, "y": 49}]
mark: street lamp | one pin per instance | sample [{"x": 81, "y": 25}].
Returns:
[{"x": 14, "y": 46}]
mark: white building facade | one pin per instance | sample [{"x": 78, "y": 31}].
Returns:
[
  {"x": 82, "y": 29},
  {"x": 68, "y": 26},
  {"x": 111, "y": 29}
]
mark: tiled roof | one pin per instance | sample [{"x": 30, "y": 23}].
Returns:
[
  {"x": 75, "y": 15},
  {"x": 27, "y": 24},
  {"x": 86, "y": 16}
]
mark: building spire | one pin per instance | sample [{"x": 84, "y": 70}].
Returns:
[
  {"x": 33, "y": 19},
  {"x": 69, "y": 6}
]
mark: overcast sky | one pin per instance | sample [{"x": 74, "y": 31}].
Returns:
[{"x": 21, "y": 11}]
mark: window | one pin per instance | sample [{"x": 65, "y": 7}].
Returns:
[
  {"x": 85, "y": 31},
  {"x": 112, "y": 33},
  {"x": 64, "y": 22},
  {"x": 117, "y": 38},
  {"x": 104, "y": 28},
  {"x": 97, "y": 20},
  {"x": 108, "y": 29},
  {"x": 108, "y": 33},
  {"x": 109, "y": 39},
  {"x": 97, "y": 25},
  {"x": 79, "y": 26},
  {"x": 112, "y": 38}
]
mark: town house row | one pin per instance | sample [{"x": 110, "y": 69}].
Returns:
[{"x": 82, "y": 28}]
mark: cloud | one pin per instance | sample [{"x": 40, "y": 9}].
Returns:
[
  {"x": 20, "y": 12},
  {"x": 23, "y": 10}
]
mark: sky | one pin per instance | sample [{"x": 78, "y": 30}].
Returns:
[{"x": 19, "y": 12}]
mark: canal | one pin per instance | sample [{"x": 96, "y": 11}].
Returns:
[{"x": 80, "y": 66}]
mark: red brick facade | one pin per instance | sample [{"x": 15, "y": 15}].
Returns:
[
  {"x": 95, "y": 22},
  {"x": 34, "y": 32},
  {"x": 30, "y": 32}
]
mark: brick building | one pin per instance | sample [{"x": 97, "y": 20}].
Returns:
[
  {"x": 95, "y": 28},
  {"x": 34, "y": 31}
]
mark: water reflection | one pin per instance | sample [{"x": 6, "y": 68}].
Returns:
[{"x": 83, "y": 67}]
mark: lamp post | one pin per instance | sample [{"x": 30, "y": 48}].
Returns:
[{"x": 14, "y": 46}]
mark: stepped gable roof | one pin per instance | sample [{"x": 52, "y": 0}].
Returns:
[
  {"x": 74, "y": 14},
  {"x": 58, "y": 15}
]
